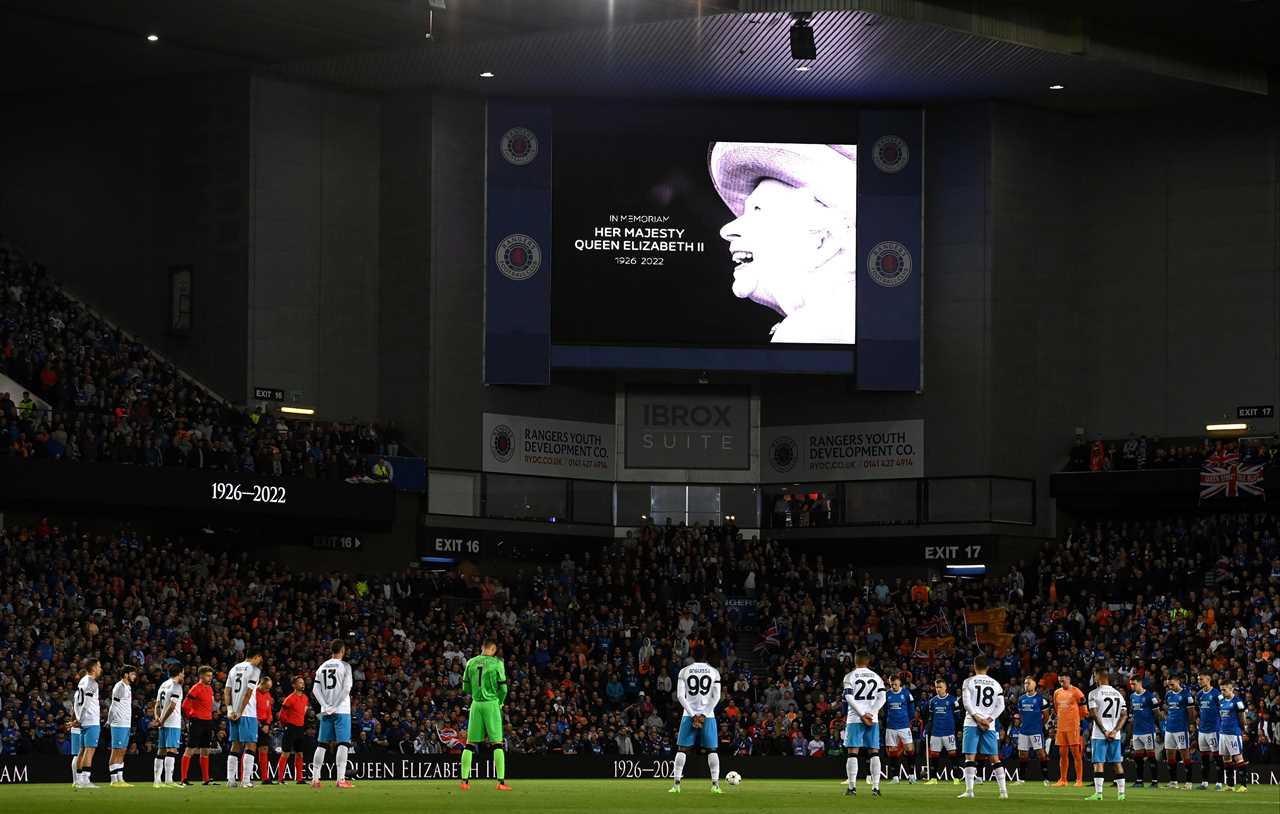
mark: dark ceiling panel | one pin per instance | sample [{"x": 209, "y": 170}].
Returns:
[{"x": 860, "y": 57}]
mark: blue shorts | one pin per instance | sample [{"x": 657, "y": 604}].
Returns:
[
  {"x": 76, "y": 742},
  {"x": 243, "y": 730},
  {"x": 858, "y": 735},
  {"x": 335, "y": 728},
  {"x": 708, "y": 737},
  {"x": 89, "y": 737},
  {"x": 170, "y": 736},
  {"x": 980, "y": 742},
  {"x": 1106, "y": 751},
  {"x": 119, "y": 737}
]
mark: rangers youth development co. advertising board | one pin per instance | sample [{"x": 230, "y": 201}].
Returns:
[
  {"x": 524, "y": 445},
  {"x": 833, "y": 452}
]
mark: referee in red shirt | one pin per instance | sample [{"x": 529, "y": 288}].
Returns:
[
  {"x": 293, "y": 714},
  {"x": 197, "y": 707},
  {"x": 263, "y": 698}
]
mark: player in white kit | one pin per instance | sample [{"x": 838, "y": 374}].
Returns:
[
  {"x": 332, "y": 688},
  {"x": 87, "y": 708},
  {"x": 698, "y": 690},
  {"x": 120, "y": 721},
  {"x": 1109, "y": 712},
  {"x": 240, "y": 695},
  {"x": 864, "y": 694},
  {"x": 168, "y": 712},
  {"x": 983, "y": 700}
]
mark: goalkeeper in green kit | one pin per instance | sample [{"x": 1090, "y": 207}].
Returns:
[{"x": 485, "y": 680}]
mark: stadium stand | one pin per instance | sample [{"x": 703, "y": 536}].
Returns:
[
  {"x": 111, "y": 399},
  {"x": 592, "y": 644}
]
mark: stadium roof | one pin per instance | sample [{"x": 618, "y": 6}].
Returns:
[{"x": 1107, "y": 54}]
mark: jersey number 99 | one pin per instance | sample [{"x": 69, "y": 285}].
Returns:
[{"x": 698, "y": 685}]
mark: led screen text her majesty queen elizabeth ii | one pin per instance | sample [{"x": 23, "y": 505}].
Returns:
[
  {"x": 753, "y": 238},
  {"x": 687, "y": 227}
]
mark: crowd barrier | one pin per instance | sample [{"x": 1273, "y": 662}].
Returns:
[{"x": 373, "y": 765}]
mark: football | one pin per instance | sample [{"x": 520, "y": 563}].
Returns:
[{"x": 733, "y": 778}]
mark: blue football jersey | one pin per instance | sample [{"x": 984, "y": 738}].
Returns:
[
  {"x": 1229, "y": 710},
  {"x": 1031, "y": 713},
  {"x": 898, "y": 709},
  {"x": 942, "y": 715},
  {"x": 1143, "y": 706},
  {"x": 1208, "y": 700},
  {"x": 1176, "y": 704}
]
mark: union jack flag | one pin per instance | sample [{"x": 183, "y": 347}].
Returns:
[{"x": 1223, "y": 475}]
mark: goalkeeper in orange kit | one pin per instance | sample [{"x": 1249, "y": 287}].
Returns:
[{"x": 1068, "y": 705}]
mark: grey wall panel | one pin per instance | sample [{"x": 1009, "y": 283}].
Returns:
[
  {"x": 1180, "y": 268},
  {"x": 456, "y": 399},
  {"x": 404, "y": 253},
  {"x": 110, "y": 187},
  {"x": 314, "y": 306}
]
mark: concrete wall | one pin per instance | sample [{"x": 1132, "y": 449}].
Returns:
[
  {"x": 111, "y": 187},
  {"x": 314, "y": 296},
  {"x": 404, "y": 255},
  {"x": 1179, "y": 268}
]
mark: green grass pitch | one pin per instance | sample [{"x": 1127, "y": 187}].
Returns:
[{"x": 609, "y": 797}]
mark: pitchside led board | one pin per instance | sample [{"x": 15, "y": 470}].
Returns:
[{"x": 766, "y": 239}]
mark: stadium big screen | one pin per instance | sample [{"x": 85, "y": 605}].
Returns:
[{"x": 750, "y": 238}]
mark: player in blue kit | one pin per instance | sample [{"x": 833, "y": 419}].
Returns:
[
  {"x": 1206, "y": 701},
  {"x": 1032, "y": 714},
  {"x": 899, "y": 709},
  {"x": 1177, "y": 747},
  {"x": 941, "y": 726},
  {"x": 1142, "y": 707},
  {"x": 1231, "y": 736}
]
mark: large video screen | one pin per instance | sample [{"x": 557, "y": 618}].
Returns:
[{"x": 710, "y": 228}]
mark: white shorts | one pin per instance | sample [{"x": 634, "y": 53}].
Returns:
[
  {"x": 1176, "y": 741},
  {"x": 1208, "y": 741},
  {"x": 1230, "y": 745},
  {"x": 946, "y": 743},
  {"x": 1030, "y": 743},
  {"x": 894, "y": 738},
  {"x": 1143, "y": 743}
]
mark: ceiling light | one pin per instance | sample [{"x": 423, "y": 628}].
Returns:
[
  {"x": 1056, "y": 87},
  {"x": 153, "y": 37},
  {"x": 298, "y": 410},
  {"x": 487, "y": 75},
  {"x": 803, "y": 45},
  {"x": 1225, "y": 427}
]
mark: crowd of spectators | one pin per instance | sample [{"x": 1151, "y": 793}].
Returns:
[
  {"x": 592, "y": 645},
  {"x": 111, "y": 399},
  {"x": 1142, "y": 452}
]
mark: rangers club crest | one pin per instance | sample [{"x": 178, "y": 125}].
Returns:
[
  {"x": 518, "y": 257},
  {"x": 889, "y": 263},
  {"x": 890, "y": 154},
  {"x": 783, "y": 454},
  {"x": 501, "y": 443},
  {"x": 519, "y": 146}
]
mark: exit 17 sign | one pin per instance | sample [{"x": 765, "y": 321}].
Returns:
[{"x": 1256, "y": 411}]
